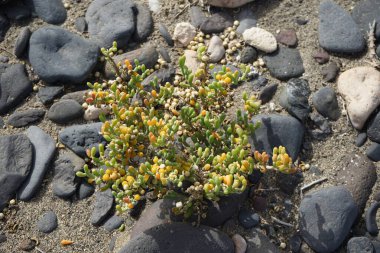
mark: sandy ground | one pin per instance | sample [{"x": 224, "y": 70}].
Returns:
[{"x": 73, "y": 216}]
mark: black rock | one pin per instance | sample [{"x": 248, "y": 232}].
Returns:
[
  {"x": 294, "y": 98},
  {"x": 114, "y": 222},
  {"x": 338, "y": 32},
  {"x": 267, "y": 93},
  {"x": 85, "y": 190},
  {"x": 370, "y": 218},
  {"x": 285, "y": 63},
  {"x": 17, "y": 11},
  {"x": 359, "y": 244},
  {"x": 102, "y": 207},
  {"x": 3, "y": 238},
  {"x": 144, "y": 23},
  {"x": 58, "y": 55},
  {"x": 258, "y": 242},
  {"x": 165, "y": 34},
  {"x": 358, "y": 174},
  {"x": 47, "y": 223},
  {"x": 81, "y": 24},
  {"x": 16, "y": 157},
  {"x": 321, "y": 126},
  {"x": 373, "y": 130},
  {"x": 111, "y": 20},
  {"x": 326, "y": 103},
  {"x": 360, "y": 139},
  {"x": 364, "y": 13},
  {"x": 65, "y": 182},
  {"x": 216, "y": 23},
  {"x": 274, "y": 132},
  {"x": 295, "y": 243},
  {"x": 164, "y": 54},
  {"x": 326, "y": 217},
  {"x": 78, "y": 138},
  {"x": 248, "y": 218},
  {"x": 147, "y": 55},
  {"x": 64, "y": 111},
  {"x": 330, "y": 72},
  {"x": 49, "y": 93},
  {"x": 288, "y": 183},
  {"x": 248, "y": 54},
  {"x": 52, "y": 11},
  {"x": 301, "y": 21},
  {"x": 14, "y": 86},
  {"x": 78, "y": 96},
  {"x": 246, "y": 19},
  {"x": 24, "y": 118},
  {"x": 259, "y": 82},
  {"x": 22, "y": 42},
  {"x": 4, "y": 26},
  {"x": 163, "y": 75},
  {"x": 197, "y": 17},
  {"x": 44, "y": 149},
  {"x": 373, "y": 152},
  {"x": 184, "y": 236}
]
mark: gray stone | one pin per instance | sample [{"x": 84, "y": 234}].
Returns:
[
  {"x": 287, "y": 37},
  {"x": 64, "y": 111},
  {"x": 14, "y": 85},
  {"x": 338, "y": 32},
  {"x": 294, "y": 98},
  {"x": 321, "y": 127},
  {"x": 114, "y": 222},
  {"x": 267, "y": 93},
  {"x": 47, "y": 94},
  {"x": 258, "y": 242},
  {"x": 147, "y": 55},
  {"x": 78, "y": 138},
  {"x": 22, "y": 41},
  {"x": 164, "y": 54},
  {"x": 58, "y": 55},
  {"x": 330, "y": 72},
  {"x": 48, "y": 222},
  {"x": 246, "y": 19},
  {"x": 321, "y": 56},
  {"x": 358, "y": 174},
  {"x": 81, "y": 24},
  {"x": 102, "y": 207},
  {"x": 373, "y": 130},
  {"x": 52, "y": 11},
  {"x": 326, "y": 217},
  {"x": 44, "y": 149},
  {"x": 16, "y": 157},
  {"x": 373, "y": 152},
  {"x": 163, "y": 75},
  {"x": 24, "y": 118},
  {"x": 285, "y": 63},
  {"x": 76, "y": 95},
  {"x": 248, "y": 54},
  {"x": 111, "y": 20},
  {"x": 370, "y": 218},
  {"x": 65, "y": 182},
  {"x": 184, "y": 236},
  {"x": 364, "y": 13},
  {"x": 248, "y": 218},
  {"x": 197, "y": 17},
  {"x": 361, "y": 139},
  {"x": 17, "y": 11},
  {"x": 85, "y": 190},
  {"x": 144, "y": 23},
  {"x": 360, "y": 244},
  {"x": 274, "y": 132},
  {"x": 288, "y": 182},
  {"x": 216, "y": 23},
  {"x": 326, "y": 103},
  {"x": 165, "y": 34}
]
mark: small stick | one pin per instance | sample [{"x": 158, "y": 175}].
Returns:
[
  {"x": 281, "y": 222},
  {"x": 312, "y": 183},
  {"x": 268, "y": 190},
  {"x": 6, "y": 51},
  {"x": 371, "y": 44},
  {"x": 39, "y": 250}
]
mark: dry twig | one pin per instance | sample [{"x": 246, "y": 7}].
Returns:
[
  {"x": 282, "y": 222},
  {"x": 312, "y": 184}
]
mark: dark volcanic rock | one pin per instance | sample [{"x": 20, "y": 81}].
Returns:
[
  {"x": 58, "y": 55},
  {"x": 24, "y": 118},
  {"x": 64, "y": 111},
  {"x": 17, "y": 11},
  {"x": 338, "y": 32},
  {"x": 81, "y": 24},
  {"x": 216, "y": 23},
  {"x": 248, "y": 218},
  {"x": 360, "y": 139},
  {"x": 373, "y": 152},
  {"x": 364, "y": 13},
  {"x": 52, "y": 11},
  {"x": 326, "y": 217},
  {"x": 373, "y": 130},
  {"x": 111, "y": 20},
  {"x": 114, "y": 222},
  {"x": 16, "y": 157},
  {"x": 165, "y": 34},
  {"x": 184, "y": 236},
  {"x": 248, "y": 54},
  {"x": 49, "y": 93},
  {"x": 285, "y": 63},
  {"x": 267, "y": 93},
  {"x": 4, "y": 26},
  {"x": 370, "y": 218},
  {"x": 360, "y": 244},
  {"x": 274, "y": 132},
  {"x": 78, "y": 138},
  {"x": 102, "y": 207},
  {"x": 48, "y": 222},
  {"x": 85, "y": 190},
  {"x": 14, "y": 86},
  {"x": 144, "y": 23},
  {"x": 258, "y": 242},
  {"x": 330, "y": 72},
  {"x": 22, "y": 42},
  {"x": 247, "y": 20},
  {"x": 326, "y": 103},
  {"x": 197, "y": 17}
]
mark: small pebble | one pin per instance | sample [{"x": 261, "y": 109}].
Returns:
[
  {"x": 248, "y": 218},
  {"x": 240, "y": 243}
]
